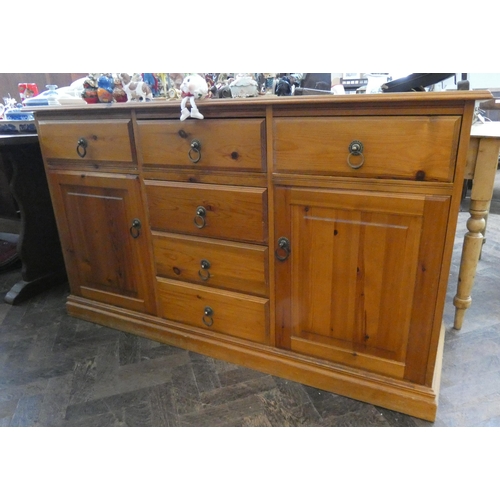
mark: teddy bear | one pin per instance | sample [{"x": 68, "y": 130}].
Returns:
[{"x": 192, "y": 87}]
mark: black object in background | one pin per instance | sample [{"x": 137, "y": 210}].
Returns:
[{"x": 415, "y": 82}]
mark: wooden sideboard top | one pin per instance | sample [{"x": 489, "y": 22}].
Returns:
[{"x": 368, "y": 100}]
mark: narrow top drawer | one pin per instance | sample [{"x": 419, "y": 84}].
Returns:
[
  {"x": 224, "y": 144},
  {"x": 399, "y": 147},
  {"x": 106, "y": 140}
]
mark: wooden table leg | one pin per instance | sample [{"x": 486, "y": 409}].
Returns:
[{"x": 482, "y": 191}]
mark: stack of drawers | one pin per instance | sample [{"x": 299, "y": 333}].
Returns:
[{"x": 210, "y": 238}]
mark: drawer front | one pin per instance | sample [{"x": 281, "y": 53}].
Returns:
[
  {"x": 224, "y": 144},
  {"x": 413, "y": 147},
  {"x": 224, "y": 312},
  {"x": 107, "y": 140},
  {"x": 220, "y": 264},
  {"x": 227, "y": 212}
]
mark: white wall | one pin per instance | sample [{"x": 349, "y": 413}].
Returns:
[
  {"x": 476, "y": 81},
  {"x": 484, "y": 80}
]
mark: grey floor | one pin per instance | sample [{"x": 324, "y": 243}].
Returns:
[{"x": 59, "y": 371}]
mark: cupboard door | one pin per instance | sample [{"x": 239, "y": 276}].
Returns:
[
  {"x": 105, "y": 248},
  {"x": 350, "y": 290}
]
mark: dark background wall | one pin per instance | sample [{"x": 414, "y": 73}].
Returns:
[{"x": 9, "y": 81}]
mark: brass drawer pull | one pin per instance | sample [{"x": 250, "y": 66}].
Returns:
[
  {"x": 199, "y": 218},
  {"x": 283, "y": 251},
  {"x": 205, "y": 266},
  {"x": 355, "y": 149},
  {"x": 81, "y": 147},
  {"x": 207, "y": 316},
  {"x": 195, "y": 151},
  {"x": 135, "y": 229}
]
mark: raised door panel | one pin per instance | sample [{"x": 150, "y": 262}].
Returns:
[
  {"x": 347, "y": 293},
  {"x": 107, "y": 259}
]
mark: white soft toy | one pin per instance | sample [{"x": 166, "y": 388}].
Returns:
[{"x": 192, "y": 87}]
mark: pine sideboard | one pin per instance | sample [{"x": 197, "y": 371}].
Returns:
[{"x": 307, "y": 237}]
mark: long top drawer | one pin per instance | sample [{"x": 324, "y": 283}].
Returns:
[{"x": 400, "y": 147}]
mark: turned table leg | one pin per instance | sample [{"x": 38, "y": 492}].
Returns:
[
  {"x": 482, "y": 191},
  {"x": 471, "y": 251}
]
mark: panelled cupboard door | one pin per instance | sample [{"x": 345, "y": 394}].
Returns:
[
  {"x": 104, "y": 237},
  {"x": 357, "y": 282}
]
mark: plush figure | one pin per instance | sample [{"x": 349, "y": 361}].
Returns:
[
  {"x": 135, "y": 88},
  {"x": 192, "y": 87}
]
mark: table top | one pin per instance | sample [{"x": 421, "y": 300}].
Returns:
[
  {"x": 18, "y": 139},
  {"x": 487, "y": 129}
]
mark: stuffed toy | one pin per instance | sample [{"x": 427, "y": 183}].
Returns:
[
  {"x": 192, "y": 87},
  {"x": 135, "y": 88}
]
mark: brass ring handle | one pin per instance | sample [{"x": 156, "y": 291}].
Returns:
[
  {"x": 283, "y": 251},
  {"x": 355, "y": 149},
  {"x": 205, "y": 266},
  {"x": 359, "y": 165},
  {"x": 135, "y": 229},
  {"x": 195, "y": 151},
  {"x": 207, "y": 316},
  {"x": 81, "y": 147},
  {"x": 199, "y": 218}
]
